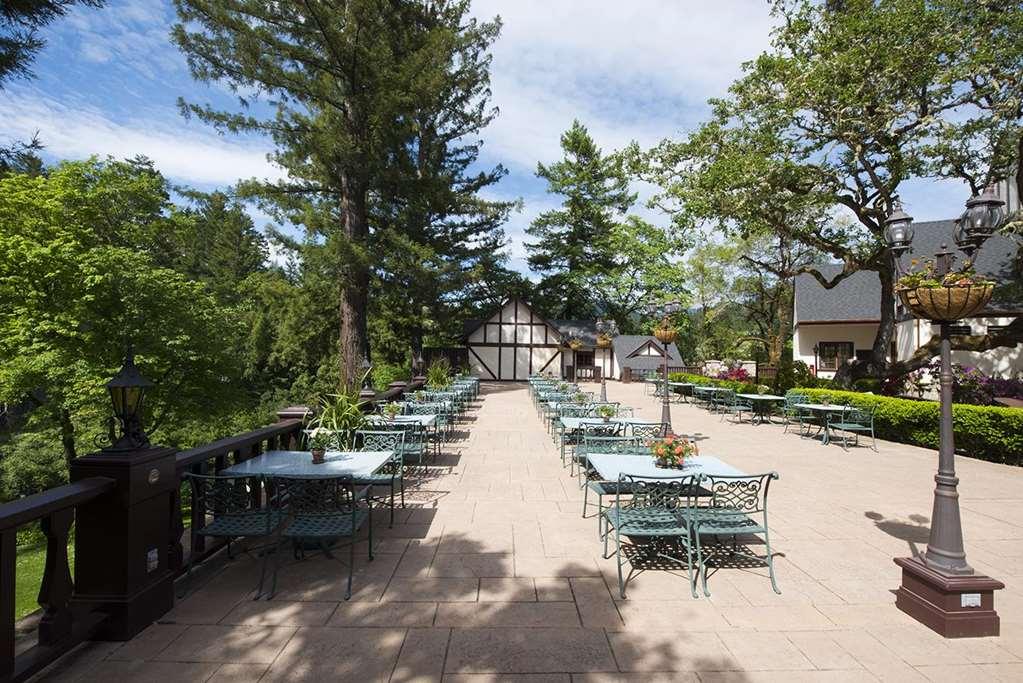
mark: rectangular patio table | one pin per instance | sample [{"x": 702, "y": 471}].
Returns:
[
  {"x": 610, "y": 466},
  {"x": 574, "y": 423},
  {"x": 300, "y": 464},
  {"x": 761, "y": 405},
  {"x": 424, "y": 421},
  {"x": 825, "y": 411},
  {"x": 683, "y": 385},
  {"x": 710, "y": 391}
]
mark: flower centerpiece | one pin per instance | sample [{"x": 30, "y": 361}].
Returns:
[
  {"x": 580, "y": 398},
  {"x": 957, "y": 294},
  {"x": 319, "y": 441},
  {"x": 392, "y": 410},
  {"x": 672, "y": 451},
  {"x": 606, "y": 412},
  {"x": 420, "y": 396},
  {"x": 562, "y": 387}
]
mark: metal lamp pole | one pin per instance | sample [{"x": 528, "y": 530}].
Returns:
[
  {"x": 945, "y": 571},
  {"x": 607, "y": 330},
  {"x": 665, "y": 334}
]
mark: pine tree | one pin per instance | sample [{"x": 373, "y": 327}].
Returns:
[{"x": 573, "y": 244}]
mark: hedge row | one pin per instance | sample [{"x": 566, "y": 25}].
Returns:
[
  {"x": 985, "y": 432},
  {"x": 736, "y": 386}
]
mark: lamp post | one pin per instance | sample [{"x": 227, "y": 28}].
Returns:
[
  {"x": 366, "y": 393},
  {"x": 816, "y": 358},
  {"x": 607, "y": 330},
  {"x": 940, "y": 588},
  {"x": 665, "y": 333}
]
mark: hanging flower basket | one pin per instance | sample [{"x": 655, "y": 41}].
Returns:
[
  {"x": 665, "y": 335},
  {"x": 946, "y": 303},
  {"x": 603, "y": 341},
  {"x": 575, "y": 344}
]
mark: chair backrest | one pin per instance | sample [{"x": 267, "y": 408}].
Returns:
[
  {"x": 860, "y": 415},
  {"x": 413, "y": 431},
  {"x": 379, "y": 440},
  {"x": 600, "y": 428},
  {"x": 427, "y": 409},
  {"x": 319, "y": 496},
  {"x": 738, "y": 494},
  {"x": 614, "y": 444},
  {"x": 654, "y": 431},
  {"x": 222, "y": 495},
  {"x": 671, "y": 491},
  {"x": 794, "y": 397}
]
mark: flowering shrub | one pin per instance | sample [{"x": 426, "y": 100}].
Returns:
[
  {"x": 671, "y": 451},
  {"x": 735, "y": 375}
]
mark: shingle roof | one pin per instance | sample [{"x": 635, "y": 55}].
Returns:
[
  {"x": 858, "y": 297},
  {"x": 624, "y": 344}
]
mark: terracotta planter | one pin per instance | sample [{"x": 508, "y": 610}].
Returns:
[
  {"x": 946, "y": 304},
  {"x": 318, "y": 454}
]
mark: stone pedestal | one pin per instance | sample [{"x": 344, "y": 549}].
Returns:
[
  {"x": 954, "y": 606},
  {"x": 122, "y": 540}
]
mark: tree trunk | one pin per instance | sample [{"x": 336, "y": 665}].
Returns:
[
  {"x": 878, "y": 364},
  {"x": 354, "y": 294},
  {"x": 784, "y": 314},
  {"x": 67, "y": 436}
]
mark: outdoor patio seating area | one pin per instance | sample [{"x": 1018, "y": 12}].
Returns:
[{"x": 492, "y": 571}]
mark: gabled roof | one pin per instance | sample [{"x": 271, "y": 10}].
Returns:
[
  {"x": 470, "y": 326},
  {"x": 858, "y": 297},
  {"x": 625, "y": 345}
]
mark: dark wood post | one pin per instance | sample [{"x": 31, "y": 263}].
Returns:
[
  {"x": 122, "y": 539},
  {"x": 56, "y": 588}
]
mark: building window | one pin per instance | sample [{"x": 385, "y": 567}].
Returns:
[
  {"x": 583, "y": 359},
  {"x": 834, "y": 354}
]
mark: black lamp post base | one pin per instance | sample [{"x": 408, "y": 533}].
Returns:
[{"x": 955, "y": 606}]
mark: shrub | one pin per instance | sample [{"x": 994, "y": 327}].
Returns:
[
  {"x": 748, "y": 387},
  {"x": 735, "y": 374},
  {"x": 985, "y": 432},
  {"x": 385, "y": 373}
]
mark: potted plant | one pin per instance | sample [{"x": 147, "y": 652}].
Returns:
[
  {"x": 575, "y": 343},
  {"x": 580, "y": 398},
  {"x": 562, "y": 387},
  {"x": 606, "y": 412},
  {"x": 958, "y": 294},
  {"x": 438, "y": 375},
  {"x": 391, "y": 410},
  {"x": 420, "y": 396},
  {"x": 339, "y": 415},
  {"x": 672, "y": 451},
  {"x": 319, "y": 442}
]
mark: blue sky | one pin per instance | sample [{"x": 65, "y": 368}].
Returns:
[{"x": 109, "y": 79}]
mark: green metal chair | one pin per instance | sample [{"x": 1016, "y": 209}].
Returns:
[
  {"x": 414, "y": 447},
  {"x": 621, "y": 445},
  {"x": 598, "y": 429},
  {"x": 730, "y": 404},
  {"x": 855, "y": 421},
  {"x": 392, "y": 473},
  {"x": 232, "y": 508},
  {"x": 733, "y": 506},
  {"x": 649, "y": 431},
  {"x": 322, "y": 510},
  {"x": 656, "y": 512},
  {"x": 793, "y": 414}
]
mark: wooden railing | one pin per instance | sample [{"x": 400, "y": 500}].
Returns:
[
  {"x": 60, "y": 628},
  {"x": 63, "y": 624}
]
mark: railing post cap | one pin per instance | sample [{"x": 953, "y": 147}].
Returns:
[
  {"x": 294, "y": 412},
  {"x": 397, "y": 384}
]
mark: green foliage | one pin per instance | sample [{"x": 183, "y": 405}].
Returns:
[
  {"x": 385, "y": 373},
  {"x": 85, "y": 270},
  {"x": 31, "y": 462},
  {"x": 340, "y": 414},
  {"x": 20, "y": 41},
  {"x": 737, "y": 387},
  {"x": 438, "y": 375},
  {"x": 984, "y": 432}
]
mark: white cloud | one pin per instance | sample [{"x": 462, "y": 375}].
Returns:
[
  {"x": 629, "y": 71},
  {"x": 184, "y": 151}
]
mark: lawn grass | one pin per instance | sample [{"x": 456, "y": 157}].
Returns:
[{"x": 28, "y": 575}]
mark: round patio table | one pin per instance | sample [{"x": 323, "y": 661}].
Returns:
[{"x": 761, "y": 406}]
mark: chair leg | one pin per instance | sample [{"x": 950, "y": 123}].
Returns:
[
  {"x": 618, "y": 561},
  {"x": 351, "y": 566},
  {"x": 770, "y": 562},
  {"x": 689, "y": 566},
  {"x": 391, "y": 523},
  {"x": 586, "y": 495},
  {"x": 703, "y": 565}
]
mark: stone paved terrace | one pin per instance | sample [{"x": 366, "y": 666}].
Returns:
[{"x": 491, "y": 574}]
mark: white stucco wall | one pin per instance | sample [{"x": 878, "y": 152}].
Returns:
[
  {"x": 997, "y": 362},
  {"x": 807, "y": 336}
]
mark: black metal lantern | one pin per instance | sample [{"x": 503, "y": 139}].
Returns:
[
  {"x": 898, "y": 230},
  {"x": 127, "y": 394},
  {"x": 365, "y": 366},
  {"x": 984, "y": 214}
]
